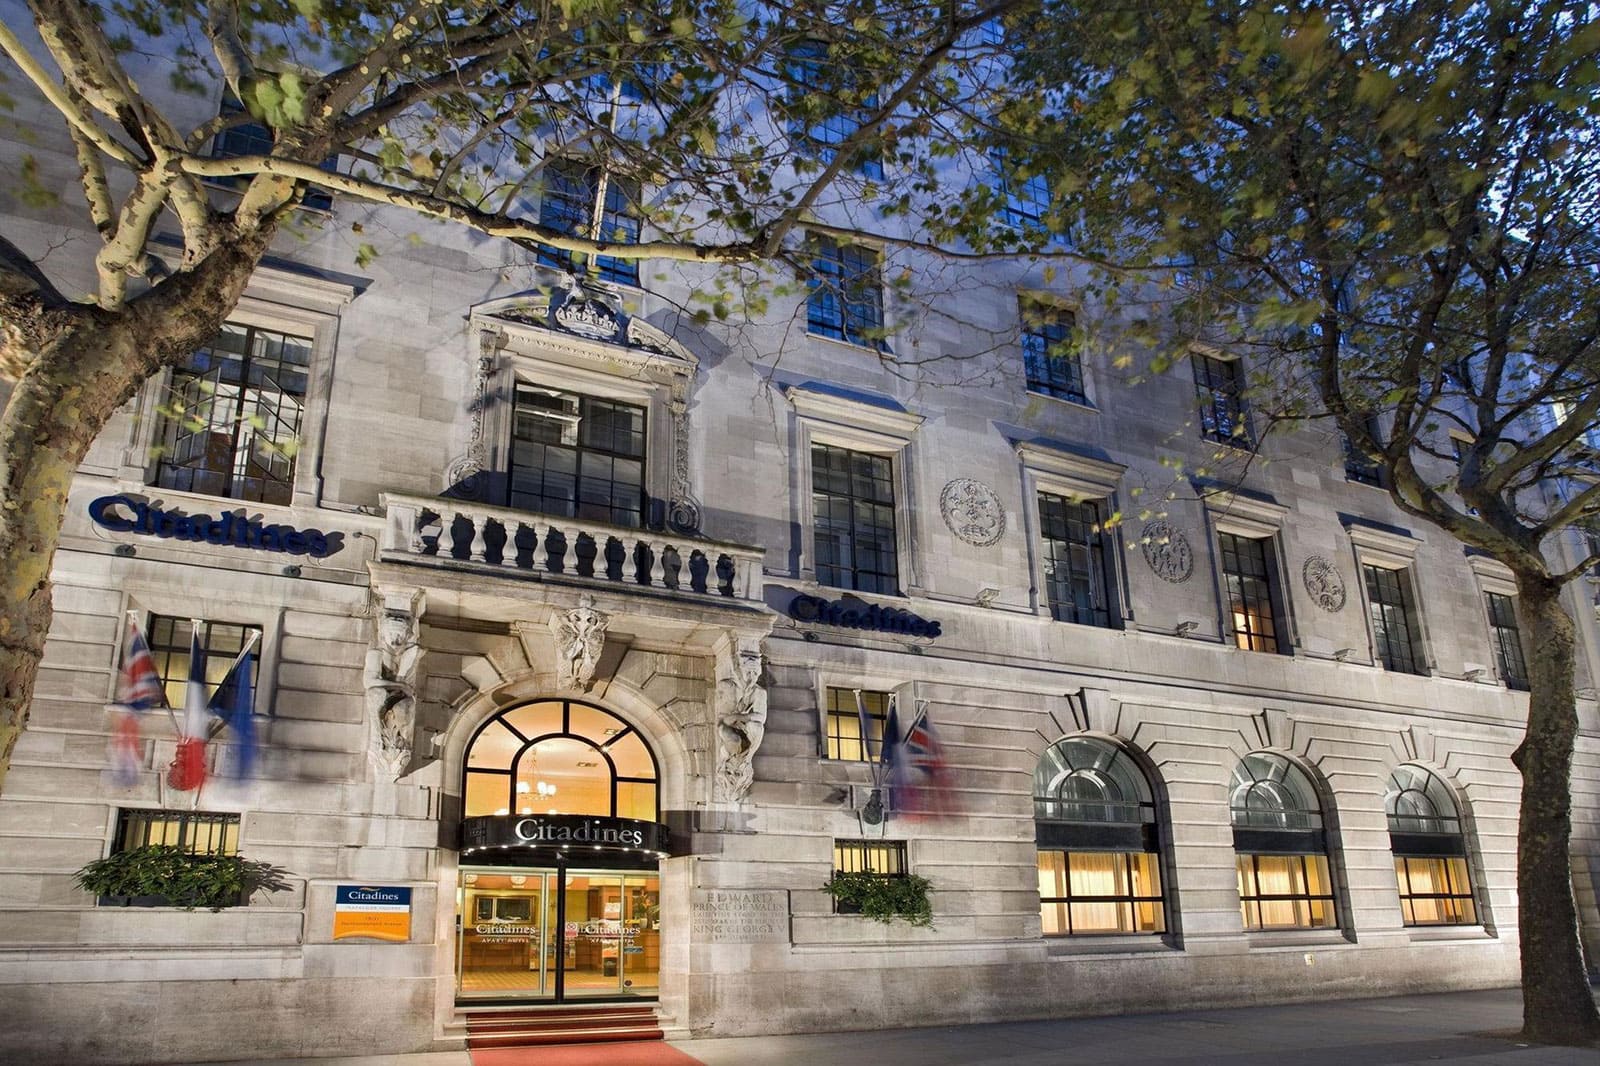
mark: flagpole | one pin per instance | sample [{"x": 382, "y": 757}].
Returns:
[{"x": 172, "y": 716}]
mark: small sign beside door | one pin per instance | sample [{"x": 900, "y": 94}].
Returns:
[{"x": 376, "y": 912}]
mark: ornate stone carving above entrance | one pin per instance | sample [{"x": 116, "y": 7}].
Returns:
[
  {"x": 390, "y": 679},
  {"x": 1324, "y": 583},
  {"x": 580, "y": 639},
  {"x": 1166, "y": 548},
  {"x": 973, "y": 512},
  {"x": 741, "y": 710}
]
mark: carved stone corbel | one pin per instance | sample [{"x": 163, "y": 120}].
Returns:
[
  {"x": 390, "y": 679},
  {"x": 741, "y": 718},
  {"x": 580, "y": 636},
  {"x": 464, "y": 476},
  {"x": 683, "y": 512}
]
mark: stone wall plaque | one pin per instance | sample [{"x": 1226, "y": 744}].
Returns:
[
  {"x": 973, "y": 512},
  {"x": 739, "y": 916},
  {"x": 1324, "y": 583},
  {"x": 1166, "y": 549}
]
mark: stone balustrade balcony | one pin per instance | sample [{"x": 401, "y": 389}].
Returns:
[{"x": 467, "y": 536}]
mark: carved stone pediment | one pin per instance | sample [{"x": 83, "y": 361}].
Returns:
[{"x": 587, "y": 321}]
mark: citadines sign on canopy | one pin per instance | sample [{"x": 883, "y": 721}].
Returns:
[{"x": 569, "y": 837}]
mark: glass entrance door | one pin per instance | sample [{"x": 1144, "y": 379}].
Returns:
[
  {"x": 503, "y": 945},
  {"x": 611, "y": 943},
  {"x": 557, "y": 934}
]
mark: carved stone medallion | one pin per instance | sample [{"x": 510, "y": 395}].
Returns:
[
  {"x": 1324, "y": 583},
  {"x": 973, "y": 512},
  {"x": 1166, "y": 549}
]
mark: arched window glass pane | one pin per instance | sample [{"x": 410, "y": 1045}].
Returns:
[
  {"x": 1270, "y": 792},
  {"x": 488, "y": 794},
  {"x": 1086, "y": 779},
  {"x": 1418, "y": 802},
  {"x": 535, "y": 720},
  {"x": 563, "y": 775},
  {"x": 631, "y": 756},
  {"x": 494, "y": 748}
]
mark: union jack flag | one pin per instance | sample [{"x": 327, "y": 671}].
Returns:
[
  {"x": 920, "y": 785},
  {"x": 139, "y": 687}
]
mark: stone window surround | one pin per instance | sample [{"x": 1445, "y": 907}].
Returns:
[
  {"x": 276, "y": 299},
  {"x": 1390, "y": 551},
  {"x": 1256, "y": 519},
  {"x": 1078, "y": 477},
  {"x": 1492, "y": 576},
  {"x": 823, "y": 418},
  {"x": 825, "y": 678},
  {"x": 508, "y": 354},
  {"x": 239, "y": 605}
]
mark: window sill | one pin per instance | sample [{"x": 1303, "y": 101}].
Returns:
[
  {"x": 1446, "y": 934},
  {"x": 1366, "y": 485},
  {"x": 1113, "y": 945},
  {"x": 1295, "y": 939},
  {"x": 1067, "y": 401},
  {"x": 875, "y": 349}
]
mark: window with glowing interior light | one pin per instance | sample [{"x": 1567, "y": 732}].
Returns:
[{"x": 560, "y": 757}]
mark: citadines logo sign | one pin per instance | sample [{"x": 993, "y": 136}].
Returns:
[
  {"x": 565, "y": 833},
  {"x": 378, "y": 912},
  {"x": 804, "y": 608},
  {"x": 125, "y": 514}
]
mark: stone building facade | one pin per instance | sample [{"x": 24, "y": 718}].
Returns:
[{"x": 577, "y": 667}]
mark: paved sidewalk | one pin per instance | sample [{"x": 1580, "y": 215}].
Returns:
[{"x": 1451, "y": 1028}]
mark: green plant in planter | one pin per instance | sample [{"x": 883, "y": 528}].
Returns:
[
  {"x": 175, "y": 878},
  {"x": 883, "y": 899}
]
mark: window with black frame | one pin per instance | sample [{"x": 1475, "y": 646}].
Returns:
[
  {"x": 1098, "y": 840},
  {"x": 243, "y": 137},
  {"x": 842, "y": 727},
  {"x": 1359, "y": 466},
  {"x": 577, "y": 456},
  {"x": 1219, "y": 387},
  {"x": 1394, "y": 619},
  {"x": 1052, "y": 363},
  {"x": 1026, "y": 197},
  {"x": 824, "y": 108},
  {"x": 231, "y": 421},
  {"x": 1248, "y": 575},
  {"x": 1280, "y": 846},
  {"x": 195, "y": 832},
  {"x": 1077, "y": 577},
  {"x": 169, "y": 638},
  {"x": 1430, "y": 850},
  {"x": 882, "y": 858},
  {"x": 846, "y": 294},
  {"x": 571, "y": 194},
  {"x": 852, "y": 500},
  {"x": 1507, "y": 640}
]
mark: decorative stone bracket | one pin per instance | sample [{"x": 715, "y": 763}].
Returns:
[
  {"x": 741, "y": 717},
  {"x": 390, "y": 680}
]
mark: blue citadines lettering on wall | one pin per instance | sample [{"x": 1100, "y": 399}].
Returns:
[
  {"x": 804, "y": 608},
  {"x": 124, "y": 514}
]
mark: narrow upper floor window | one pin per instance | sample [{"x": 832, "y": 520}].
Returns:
[
  {"x": 1219, "y": 387},
  {"x": 246, "y": 138},
  {"x": 584, "y": 201},
  {"x": 825, "y": 109},
  {"x": 1053, "y": 366},
  {"x": 846, "y": 298},
  {"x": 1507, "y": 640},
  {"x": 232, "y": 422},
  {"x": 852, "y": 497},
  {"x": 577, "y": 456},
  {"x": 847, "y": 711},
  {"x": 1395, "y": 635},
  {"x": 1247, "y": 572},
  {"x": 1078, "y": 581}
]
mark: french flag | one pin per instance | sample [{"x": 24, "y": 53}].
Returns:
[{"x": 188, "y": 770}]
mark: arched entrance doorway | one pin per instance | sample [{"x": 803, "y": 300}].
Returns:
[{"x": 559, "y": 895}]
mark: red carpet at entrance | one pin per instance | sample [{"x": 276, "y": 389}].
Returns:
[{"x": 625, "y": 1053}]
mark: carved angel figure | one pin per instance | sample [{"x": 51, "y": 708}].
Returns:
[
  {"x": 741, "y": 724},
  {"x": 580, "y": 638},
  {"x": 390, "y": 677}
]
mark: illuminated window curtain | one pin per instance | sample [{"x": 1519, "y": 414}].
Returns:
[
  {"x": 1099, "y": 862},
  {"x": 1430, "y": 863},
  {"x": 1281, "y": 848}
]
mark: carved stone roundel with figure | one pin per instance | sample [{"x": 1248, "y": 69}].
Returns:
[
  {"x": 1324, "y": 583},
  {"x": 973, "y": 512},
  {"x": 1167, "y": 550}
]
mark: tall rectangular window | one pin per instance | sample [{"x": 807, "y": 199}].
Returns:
[
  {"x": 169, "y": 638},
  {"x": 1394, "y": 620},
  {"x": 571, "y": 195},
  {"x": 843, "y": 727},
  {"x": 577, "y": 456},
  {"x": 846, "y": 298},
  {"x": 1052, "y": 365},
  {"x": 1507, "y": 640},
  {"x": 1026, "y": 196},
  {"x": 1077, "y": 581},
  {"x": 1247, "y": 573},
  {"x": 231, "y": 424},
  {"x": 822, "y": 113},
  {"x": 196, "y": 832},
  {"x": 1360, "y": 467},
  {"x": 1219, "y": 387},
  {"x": 852, "y": 498}
]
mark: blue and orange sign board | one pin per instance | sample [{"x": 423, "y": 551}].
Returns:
[{"x": 380, "y": 912}]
